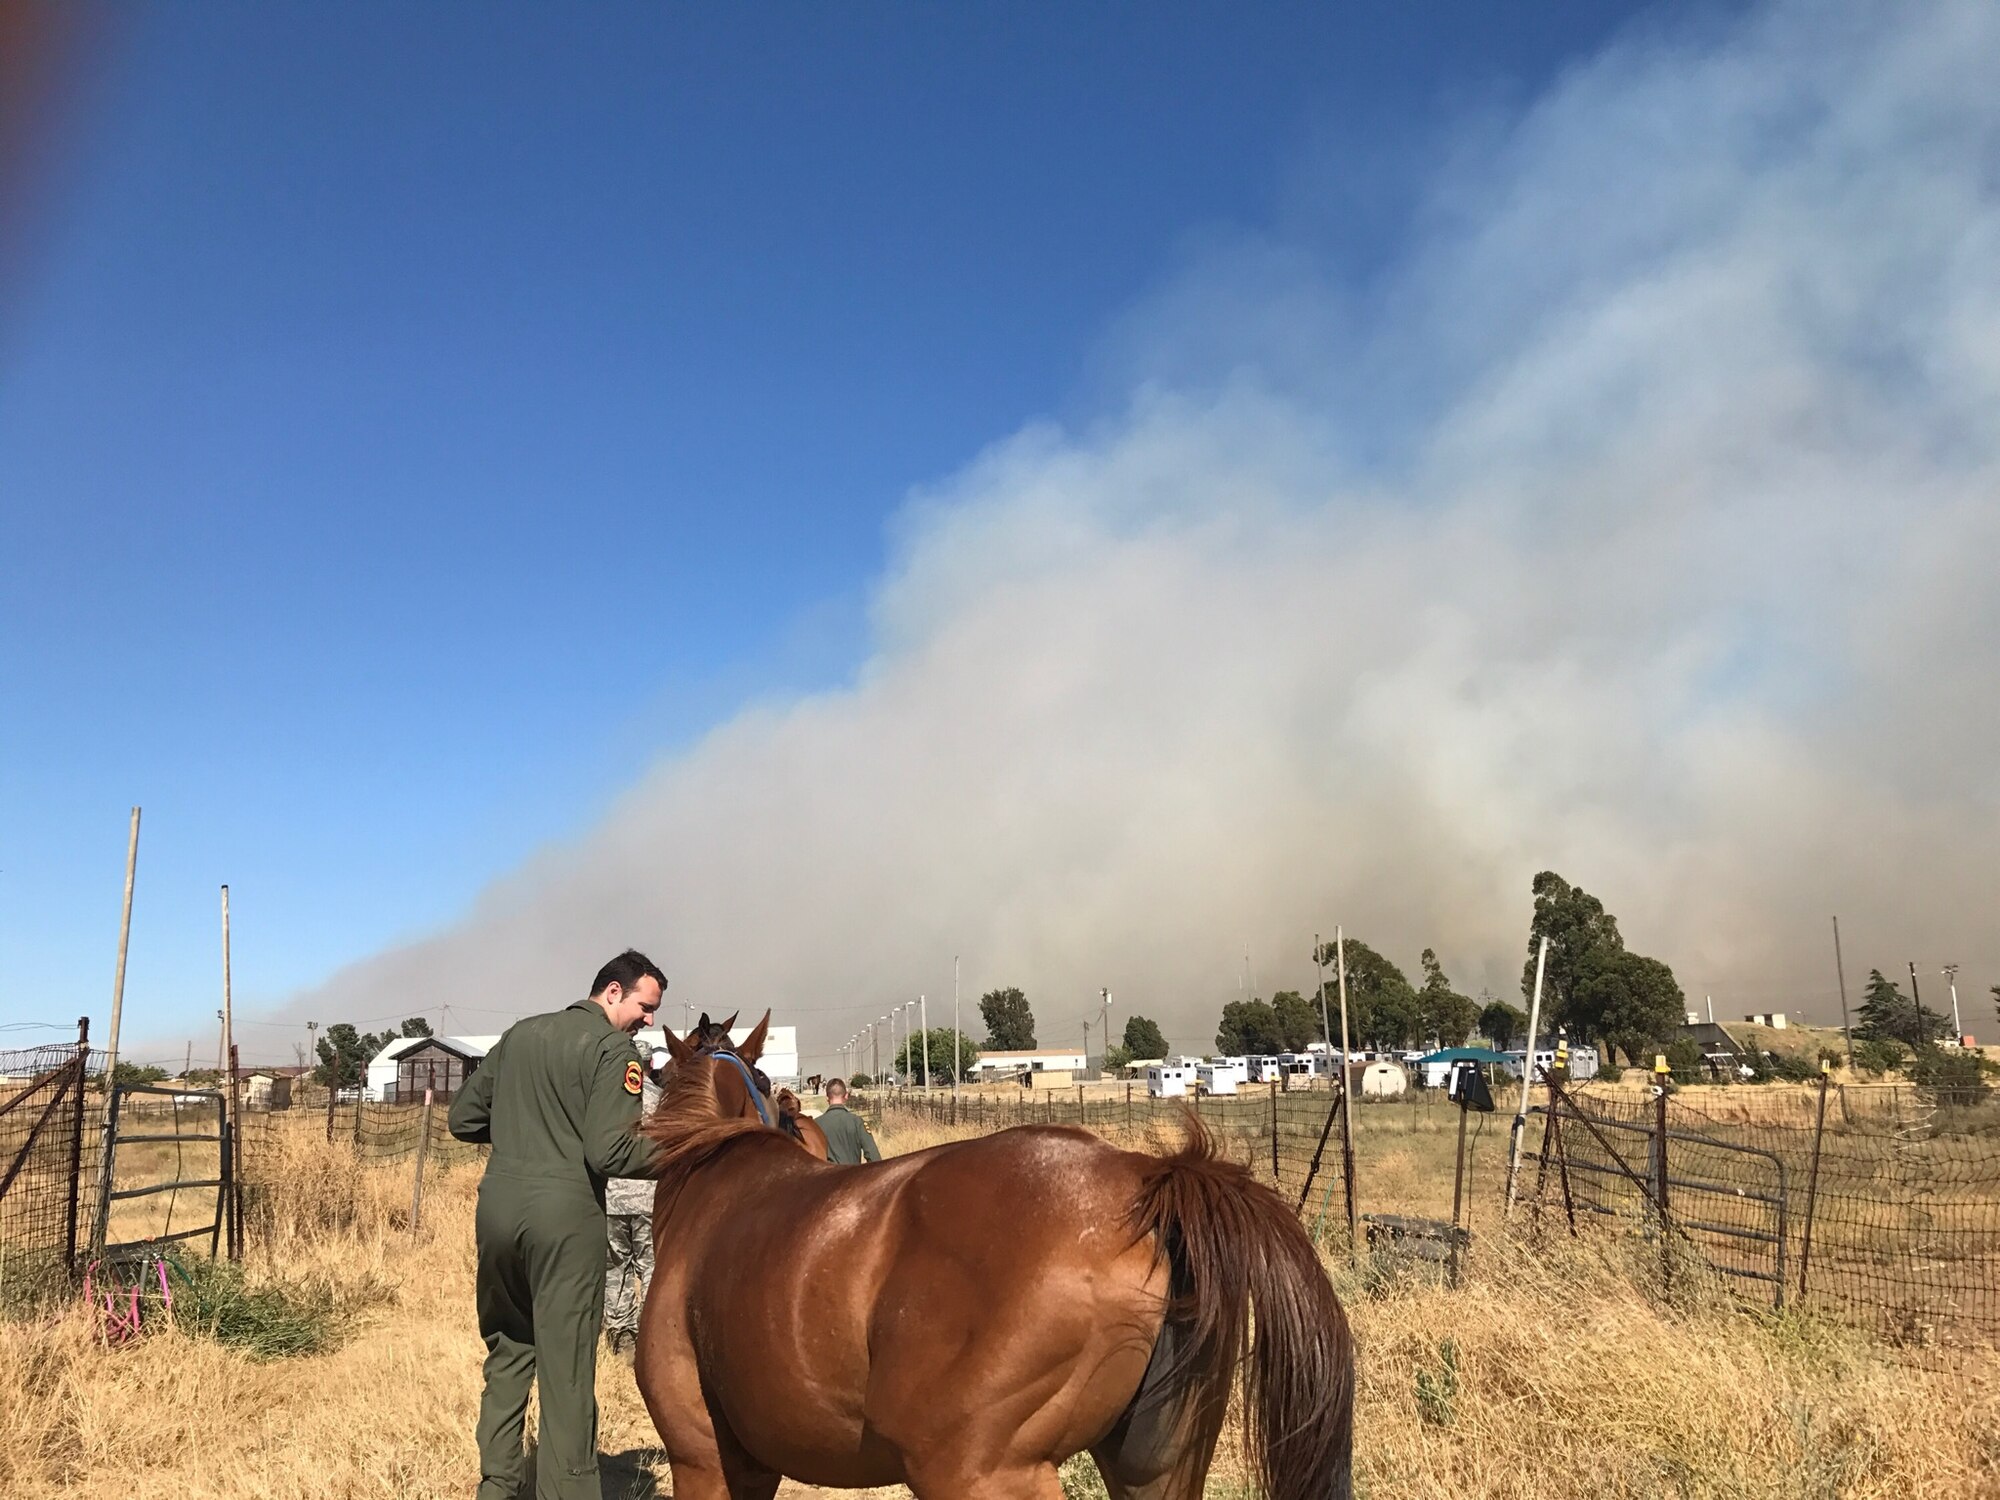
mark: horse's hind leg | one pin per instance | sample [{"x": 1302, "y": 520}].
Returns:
[
  {"x": 1143, "y": 1454},
  {"x": 1125, "y": 1481}
]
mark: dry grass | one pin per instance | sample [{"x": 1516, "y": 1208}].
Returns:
[{"x": 1541, "y": 1378}]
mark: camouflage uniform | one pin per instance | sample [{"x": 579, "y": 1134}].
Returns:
[{"x": 628, "y": 1264}]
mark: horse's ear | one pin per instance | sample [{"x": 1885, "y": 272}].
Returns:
[
  {"x": 679, "y": 1049},
  {"x": 701, "y": 1026},
  {"x": 752, "y": 1046},
  {"x": 729, "y": 1025}
]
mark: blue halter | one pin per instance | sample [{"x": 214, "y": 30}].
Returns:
[{"x": 749, "y": 1082}]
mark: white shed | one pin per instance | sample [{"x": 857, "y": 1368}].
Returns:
[{"x": 1383, "y": 1080}]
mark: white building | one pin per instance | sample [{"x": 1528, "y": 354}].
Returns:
[
  {"x": 1002, "y": 1063},
  {"x": 380, "y": 1084},
  {"x": 779, "y": 1059},
  {"x": 1383, "y": 1079}
]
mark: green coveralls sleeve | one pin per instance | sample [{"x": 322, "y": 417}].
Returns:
[
  {"x": 869, "y": 1150},
  {"x": 471, "y": 1117},
  {"x": 611, "y": 1143}
]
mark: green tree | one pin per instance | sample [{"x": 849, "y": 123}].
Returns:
[
  {"x": 344, "y": 1054},
  {"x": 936, "y": 1044},
  {"x": 1382, "y": 1007},
  {"x": 1117, "y": 1058},
  {"x": 129, "y": 1075},
  {"x": 202, "y": 1078},
  {"x": 1010, "y": 1025},
  {"x": 1143, "y": 1038},
  {"x": 1581, "y": 934},
  {"x": 1626, "y": 1002},
  {"x": 1248, "y": 1026},
  {"x": 1949, "y": 1075},
  {"x": 1888, "y": 1015},
  {"x": 1500, "y": 1023},
  {"x": 417, "y": 1026},
  {"x": 1298, "y": 1020},
  {"x": 1446, "y": 1014}
]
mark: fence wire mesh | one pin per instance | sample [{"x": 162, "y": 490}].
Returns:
[
  {"x": 1888, "y": 1217},
  {"x": 50, "y": 1126}
]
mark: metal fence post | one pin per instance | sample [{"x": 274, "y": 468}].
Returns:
[
  {"x": 1274, "y": 1134},
  {"x": 332, "y": 1095},
  {"x": 232, "y": 1187},
  {"x": 76, "y": 1147},
  {"x": 1660, "y": 1168},
  {"x": 1812, "y": 1185}
]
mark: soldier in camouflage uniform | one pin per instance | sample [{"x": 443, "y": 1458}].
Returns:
[
  {"x": 558, "y": 1100},
  {"x": 628, "y": 1265}
]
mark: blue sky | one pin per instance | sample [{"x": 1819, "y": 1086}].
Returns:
[{"x": 415, "y": 425}]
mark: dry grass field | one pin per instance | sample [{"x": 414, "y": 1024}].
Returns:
[{"x": 1546, "y": 1378}]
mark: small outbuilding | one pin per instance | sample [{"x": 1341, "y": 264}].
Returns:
[{"x": 1383, "y": 1079}]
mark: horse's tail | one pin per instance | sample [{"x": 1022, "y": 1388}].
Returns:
[{"x": 1232, "y": 1246}]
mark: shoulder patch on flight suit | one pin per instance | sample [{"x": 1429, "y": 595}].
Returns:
[{"x": 633, "y": 1077}]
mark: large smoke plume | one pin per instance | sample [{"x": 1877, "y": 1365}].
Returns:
[{"x": 1641, "y": 523}]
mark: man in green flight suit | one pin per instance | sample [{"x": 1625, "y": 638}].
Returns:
[
  {"x": 848, "y": 1142},
  {"x": 558, "y": 1098}
]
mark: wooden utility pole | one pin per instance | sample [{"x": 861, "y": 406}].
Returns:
[
  {"x": 118, "y": 975},
  {"x": 1840, "y": 972}
]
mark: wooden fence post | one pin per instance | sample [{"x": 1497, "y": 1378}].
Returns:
[{"x": 423, "y": 1150}]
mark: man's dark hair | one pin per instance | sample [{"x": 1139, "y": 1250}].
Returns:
[
  {"x": 626, "y": 970},
  {"x": 831, "y": 1085}
]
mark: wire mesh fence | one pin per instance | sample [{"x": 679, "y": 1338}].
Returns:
[
  {"x": 1878, "y": 1209},
  {"x": 49, "y": 1130},
  {"x": 1884, "y": 1210}
]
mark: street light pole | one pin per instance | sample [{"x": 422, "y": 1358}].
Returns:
[
  {"x": 924, "y": 1025},
  {"x": 1957, "y": 1027}
]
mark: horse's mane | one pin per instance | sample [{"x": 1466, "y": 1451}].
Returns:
[{"x": 686, "y": 1129}]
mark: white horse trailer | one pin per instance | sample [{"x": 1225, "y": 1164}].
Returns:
[
  {"x": 1219, "y": 1077},
  {"x": 1263, "y": 1069},
  {"x": 1169, "y": 1081}
]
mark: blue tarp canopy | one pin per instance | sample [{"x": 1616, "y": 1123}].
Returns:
[{"x": 1464, "y": 1054}]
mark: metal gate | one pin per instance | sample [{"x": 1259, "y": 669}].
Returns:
[
  {"x": 1729, "y": 1203},
  {"x": 130, "y": 1108},
  {"x": 42, "y": 1128}
]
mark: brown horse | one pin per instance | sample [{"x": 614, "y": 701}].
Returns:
[
  {"x": 963, "y": 1319},
  {"x": 802, "y": 1127}
]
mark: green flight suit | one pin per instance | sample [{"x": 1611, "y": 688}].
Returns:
[
  {"x": 847, "y": 1139},
  {"x": 558, "y": 1097}
]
